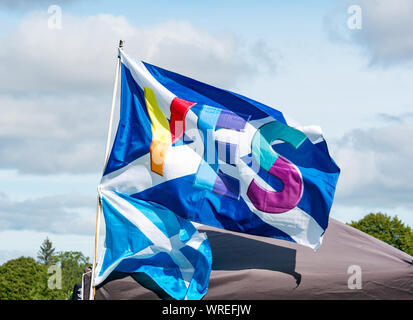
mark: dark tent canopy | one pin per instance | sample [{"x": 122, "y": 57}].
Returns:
[{"x": 253, "y": 267}]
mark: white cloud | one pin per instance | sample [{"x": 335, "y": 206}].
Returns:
[
  {"x": 30, "y": 4},
  {"x": 218, "y": 59},
  {"x": 60, "y": 214},
  {"x": 386, "y": 35},
  {"x": 55, "y": 85},
  {"x": 52, "y": 134},
  {"x": 53, "y": 155},
  {"x": 57, "y": 117},
  {"x": 387, "y": 31},
  {"x": 376, "y": 166},
  {"x": 80, "y": 57}
]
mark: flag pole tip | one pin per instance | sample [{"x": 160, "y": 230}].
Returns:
[{"x": 121, "y": 42}]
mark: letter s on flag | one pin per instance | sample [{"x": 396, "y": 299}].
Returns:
[{"x": 276, "y": 165}]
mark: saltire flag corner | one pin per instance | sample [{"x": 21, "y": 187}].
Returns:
[{"x": 185, "y": 152}]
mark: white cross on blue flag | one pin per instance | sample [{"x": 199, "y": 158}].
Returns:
[{"x": 188, "y": 152}]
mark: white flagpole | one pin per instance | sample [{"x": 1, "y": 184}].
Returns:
[{"x": 98, "y": 205}]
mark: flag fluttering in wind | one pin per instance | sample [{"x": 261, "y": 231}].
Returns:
[{"x": 188, "y": 152}]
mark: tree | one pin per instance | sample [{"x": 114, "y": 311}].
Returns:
[
  {"x": 46, "y": 253},
  {"x": 390, "y": 230},
  {"x": 25, "y": 279},
  {"x": 20, "y": 278},
  {"x": 72, "y": 264}
]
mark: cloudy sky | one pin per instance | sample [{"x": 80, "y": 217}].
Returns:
[{"x": 314, "y": 62}]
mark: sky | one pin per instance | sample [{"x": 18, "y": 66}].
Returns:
[{"x": 321, "y": 63}]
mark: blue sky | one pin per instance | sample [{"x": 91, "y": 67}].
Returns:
[{"x": 298, "y": 57}]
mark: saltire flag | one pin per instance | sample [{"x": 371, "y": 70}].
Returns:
[{"x": 186, "y": 151}]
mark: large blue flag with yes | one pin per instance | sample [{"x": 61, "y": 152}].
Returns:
[{"x": 188, "y": 152}]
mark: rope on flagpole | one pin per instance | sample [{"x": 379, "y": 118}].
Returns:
[{"x": 98, "y": 204}]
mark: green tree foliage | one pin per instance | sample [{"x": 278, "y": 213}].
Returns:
[
  {"x": 25, "y": 279},
  {"x": 51, "y": 278},
  {"x": 390, "y": 230},
  {"x": 46, "y": 253},
  {"x": 72, "y": 264}
]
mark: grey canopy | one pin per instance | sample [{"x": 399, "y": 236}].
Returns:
[{"x": 349, "y": 265}]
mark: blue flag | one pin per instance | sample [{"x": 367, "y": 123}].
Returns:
[{"x": 187, "y": 151}]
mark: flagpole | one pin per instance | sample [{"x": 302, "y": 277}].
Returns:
[{"x": 98, "y": 203}]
